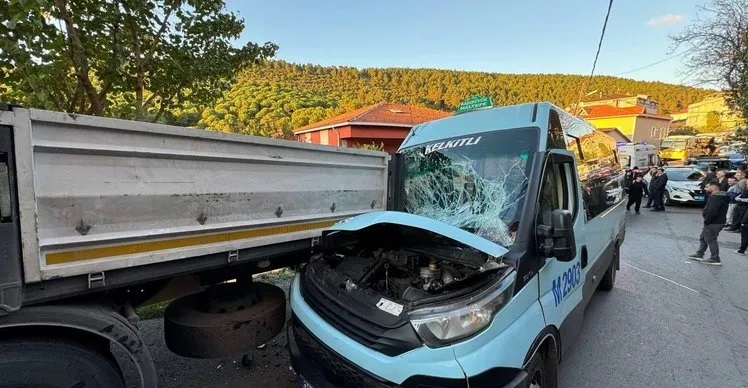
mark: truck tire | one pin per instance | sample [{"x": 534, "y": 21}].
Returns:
[
  {"x": 56, "y": 363},
  {"x": 190, "y": 331},
  {"x": 609, "y": 279}
]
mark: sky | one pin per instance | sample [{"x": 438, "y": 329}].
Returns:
[{"x": 528, "y": 36}]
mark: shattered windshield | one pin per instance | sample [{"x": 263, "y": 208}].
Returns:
[{"x": 476, "y": 183}]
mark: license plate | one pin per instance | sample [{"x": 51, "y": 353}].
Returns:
[
  {"x": 699, "y": 197},
  {"x": 303, "y": 383}
]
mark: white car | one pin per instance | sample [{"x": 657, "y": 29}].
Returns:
[{"x": 682, "y": 185}]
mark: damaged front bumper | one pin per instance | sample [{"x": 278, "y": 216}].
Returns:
[{"x": 313, "y": 358}]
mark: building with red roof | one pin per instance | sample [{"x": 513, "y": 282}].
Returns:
[
  {"x": 626, "y": 118},
  {"x": 382, "y": 123}
]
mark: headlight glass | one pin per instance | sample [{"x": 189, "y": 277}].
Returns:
[{"x": 441, "y": 325}]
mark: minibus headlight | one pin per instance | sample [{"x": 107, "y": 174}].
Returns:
[{"x": 441, "y": 325}]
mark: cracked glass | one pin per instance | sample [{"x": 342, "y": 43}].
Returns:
[{"x": 477, "y": 183}]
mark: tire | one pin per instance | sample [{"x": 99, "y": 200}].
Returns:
[
  {"x": 190, "y": 331},
  {"x": 666, "y": 199},
  {"x": 539, "y": 375},
  {"x": 609, "y": 279},
  {"x": 55, "y": 363}
]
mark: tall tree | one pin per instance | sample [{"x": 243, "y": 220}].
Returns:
[
  {"x": 716, "y": 47},
  {"x": 713, "y": 122},
  {"x": 96, "y": 56}
]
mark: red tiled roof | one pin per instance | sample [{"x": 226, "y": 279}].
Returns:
[
  {"x": 380, "y": 114},
  {"x": 611, "y": 111},
  {"x": 606, "y": 97}
]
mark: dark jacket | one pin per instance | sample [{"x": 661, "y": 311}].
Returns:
[
  {"x": 638, "y": 189},
  {"x": 724, "y": 185},
  {"x": 660, "y": 183},
  {"x": 742, "y": 199},
  {"x": 715, "y": 211},
  {"x": 710, "y": 177}
]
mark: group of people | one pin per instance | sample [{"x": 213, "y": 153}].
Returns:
[
  {"x": 637, "y": 188},
  {"x": 726, "y": 209},
  {"x": 726, "y": 206}
]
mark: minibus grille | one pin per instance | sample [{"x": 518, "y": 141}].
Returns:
[
  {"x": 336, "y": 370},
  {"x": 388, "y": 341}
]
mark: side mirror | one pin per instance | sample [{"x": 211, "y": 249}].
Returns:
[{"x": 558, "y": 239}]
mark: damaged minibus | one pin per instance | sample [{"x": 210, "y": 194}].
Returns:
[{"x": 503, "y": 222}]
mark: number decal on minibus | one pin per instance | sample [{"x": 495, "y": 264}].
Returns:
[{"x": 566, "y": 283}]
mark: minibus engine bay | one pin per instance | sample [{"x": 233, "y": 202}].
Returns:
[{"x": 369, "y": 291}]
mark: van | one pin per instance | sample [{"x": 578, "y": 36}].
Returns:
[
  {"x": 638, "y": 155},
  {"x": 479, "y": 273}
]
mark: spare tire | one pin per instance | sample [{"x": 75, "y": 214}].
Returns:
[{"x": 190, "y": 330}]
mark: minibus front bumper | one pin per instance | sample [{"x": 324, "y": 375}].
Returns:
[{"x": 321, "y": 367}]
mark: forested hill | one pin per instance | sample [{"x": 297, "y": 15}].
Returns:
[{"x": 273, "y": 98}]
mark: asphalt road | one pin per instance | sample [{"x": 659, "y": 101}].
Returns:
[{"x": 669, "y": 322}]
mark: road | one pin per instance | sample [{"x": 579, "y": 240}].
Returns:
[{"x": 669, "y": 322}]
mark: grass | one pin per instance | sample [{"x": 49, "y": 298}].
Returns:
[{"x": 156, "y": 310}]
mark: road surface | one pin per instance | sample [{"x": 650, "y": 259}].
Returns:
[{"x": 669, "y": 322}]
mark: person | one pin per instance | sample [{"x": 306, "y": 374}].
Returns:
[
  {"x": 714, "y": 215},
  {"x": 741, "y": 205},
  {"x": 710, "y": 176},
  {"x": 652, "y": 176},
  {"x": 659, "y": 190},
  {"x": 724, "y": 185},
  {"x": 743, "y": 224},
  {"x": 733, "y": 192},
  {"x": 636, "y": 190}
]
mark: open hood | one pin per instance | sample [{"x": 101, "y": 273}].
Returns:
[{"x": 411, "y": 220}]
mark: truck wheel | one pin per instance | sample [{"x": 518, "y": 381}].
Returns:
[
  {"x": 609, "y": 279},
  {"x": 538, "y": 374},
  {"x": 225, "y": 320},
  {"x": 55, "y": 363}
]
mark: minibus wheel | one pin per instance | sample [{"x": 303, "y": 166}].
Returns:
[
  {"x": 539, "y": 375},
  {"x": 609, "y": 279}
]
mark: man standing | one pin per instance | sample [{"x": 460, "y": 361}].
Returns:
[
  {"x": 741, "y": 206},
  {"x": 710, "y": 176},
  {"x": 637, "y": 189},
  {"x": 722, "y": 180},
  {"x": 714, "y": 214},
  {"x": 652, "y": 177},
  {"x": 660, "y": 185}
]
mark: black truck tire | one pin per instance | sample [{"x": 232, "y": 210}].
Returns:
[
  {"x": 190, "y": 331},
  {"x": 56, "y": 363}
]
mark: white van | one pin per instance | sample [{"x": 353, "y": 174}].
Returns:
[{"x": 639, "y": 155}]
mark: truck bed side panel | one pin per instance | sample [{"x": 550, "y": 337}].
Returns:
[{"x": 109, "y": 194}]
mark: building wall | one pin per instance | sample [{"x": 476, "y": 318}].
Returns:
[
  {"x": 651, "y": 107},
  {"x": 698, "y": 112},
  {"x": 650, "y": 130},
  {"x": 637, "y": 128},
  {"x": 624, "y": 124}
]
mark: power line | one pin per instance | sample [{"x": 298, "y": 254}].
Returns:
[
  {"x": 656, "y": 63},
  {"x": 597, "y": 55}
]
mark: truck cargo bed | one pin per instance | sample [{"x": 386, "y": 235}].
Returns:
[{"x": 98, "y": 194}]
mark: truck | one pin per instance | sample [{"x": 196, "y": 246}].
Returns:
[
  {"x": 99, "y": 216},
  {"x": 503, "y": 224}
]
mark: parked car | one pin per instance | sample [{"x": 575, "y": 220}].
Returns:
[{"x": 683, "y": 185}]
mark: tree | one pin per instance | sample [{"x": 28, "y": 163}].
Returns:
[
  {"x": 716, "y": 47},
  {"x": 132, "y": 57},
  {"x": 685, "y": 131}
]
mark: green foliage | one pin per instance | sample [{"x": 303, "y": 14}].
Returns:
[
  {"x": 266, "y": 110},
  {"x": 333, "y": 90},
  {"x": 741, "y": 135},
  {"x": 370, "y": 146},
  {"x": 124, "y": 58}
]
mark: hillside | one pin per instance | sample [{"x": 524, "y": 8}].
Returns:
[{"x": 273, "y": 98}]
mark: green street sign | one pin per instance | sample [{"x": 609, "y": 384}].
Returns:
[{"x": 473, "y": 103}]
